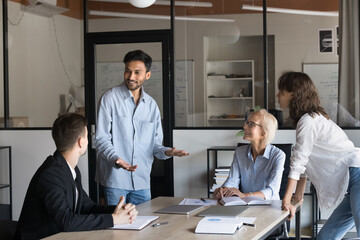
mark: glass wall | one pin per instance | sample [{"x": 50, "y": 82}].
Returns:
[
  {"x": 219, "y": 64},
  {"x": 45, "y": 62},
  {"x": 305, "y": 42},
  {"x": 120, "y": 15},
  {"x": 227, "y": 70},
  {"x": 1, "y": 71},
  {"x": 219, "y": 57}
]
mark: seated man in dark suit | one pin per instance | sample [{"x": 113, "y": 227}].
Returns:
[{"x": 55, "y": 201}]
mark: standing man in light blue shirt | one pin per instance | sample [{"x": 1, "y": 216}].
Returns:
[
  {"x": 129, "y": 135},
  {"x": 257, "y": 168}
]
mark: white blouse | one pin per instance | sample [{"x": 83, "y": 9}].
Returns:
[{"x": 324, "y": 153}]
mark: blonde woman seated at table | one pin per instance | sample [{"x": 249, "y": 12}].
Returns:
[{"x": 257, "y": 168}]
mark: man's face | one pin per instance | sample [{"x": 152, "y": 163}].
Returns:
[{"x": 135, "y": 75}]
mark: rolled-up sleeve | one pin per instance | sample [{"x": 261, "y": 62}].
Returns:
[{"x": 159, "y": 149}]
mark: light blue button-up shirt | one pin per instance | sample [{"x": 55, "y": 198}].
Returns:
[
  {"x": 128, "y": 131},
  {"x": 264, "y": 175}
]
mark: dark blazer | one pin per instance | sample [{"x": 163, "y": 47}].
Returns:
[{"x": 49, "y": 205}]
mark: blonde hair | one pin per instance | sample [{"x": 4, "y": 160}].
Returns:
[{"x": 268, "y": 123}]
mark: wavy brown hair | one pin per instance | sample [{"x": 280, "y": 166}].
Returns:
[{"x": 305, "y": 96}]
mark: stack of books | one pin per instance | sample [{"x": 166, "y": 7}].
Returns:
[
  {"x": 221, "y": 174},
  {"x": 320, "y": 224}
]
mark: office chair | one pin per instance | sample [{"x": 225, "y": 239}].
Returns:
[
  {"x": 283, "y": 230},
  {"x": 7, "y": 229}
]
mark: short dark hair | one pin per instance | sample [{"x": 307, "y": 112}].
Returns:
[
  {"x": 67, "y": 129},
  {"x": 139, "y": 55}
]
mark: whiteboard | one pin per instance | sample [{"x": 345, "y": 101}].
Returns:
[
  {"x": 110, "y": 74},
  {"x": 326, "y": 78}
]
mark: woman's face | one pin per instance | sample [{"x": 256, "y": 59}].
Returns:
[
  {"x": 284, "y": 97},
  {"x": 254, "y": 132}
]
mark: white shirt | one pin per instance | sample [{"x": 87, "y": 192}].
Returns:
[
  {"x": 324, "y": 153},
  {"x": 76, "y": 190}
]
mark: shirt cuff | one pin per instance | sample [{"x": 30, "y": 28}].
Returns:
[
  {"x": 294, "y": 175},
  {"x": 162, "y": 154},
  {"x": 267, "y": 193}
]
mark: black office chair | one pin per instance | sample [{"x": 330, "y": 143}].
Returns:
[
  {"x": 283, "y": 231},
  {"x": 7, "y": 229}
]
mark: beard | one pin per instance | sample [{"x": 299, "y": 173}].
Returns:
[{"x": 128, "y": 84}]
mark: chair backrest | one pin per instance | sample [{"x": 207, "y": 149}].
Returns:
[{"x": 286, "y": 148}]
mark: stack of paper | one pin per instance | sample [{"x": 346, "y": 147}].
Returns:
[
  {"x": 250, "y": 200},
  {"x": 218, "y": 225},
  {"x": 221, "y": 174},
  {"x": 138, "y": 224}
]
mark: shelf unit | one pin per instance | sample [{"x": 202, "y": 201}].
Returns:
[
  {"x": 215, "y": 150},
  {"x": 6, "y": 208},
  {"x": 229, "y": 91}
]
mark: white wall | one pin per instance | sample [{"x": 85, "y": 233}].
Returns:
[
  {"x": 30, "y": 148},
  {"x": 37, "y": 75}
]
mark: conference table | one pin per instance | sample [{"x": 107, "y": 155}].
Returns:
[{"x": 182, "y": 227}]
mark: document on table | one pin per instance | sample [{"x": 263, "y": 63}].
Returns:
[
  {"x": 198, "y": 201},
  {"x": 138, "y": 224}
]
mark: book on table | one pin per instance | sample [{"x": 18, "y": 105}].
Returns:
[
  {"x": 218, "y": 225},
  {"x": 249, "y": 200},
  {"x": 138, "y": 224}
]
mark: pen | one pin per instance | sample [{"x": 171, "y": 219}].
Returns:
[
  {"x": 159, "y": 224},
  {"x": 249, "y": 224},
  {"x": 203, "y": 199}
]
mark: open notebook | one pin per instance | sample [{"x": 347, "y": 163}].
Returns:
[
  {"x": 138, "y": 224},
  {"x": 250, "y": 200}
]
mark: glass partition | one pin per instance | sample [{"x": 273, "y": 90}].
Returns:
[
  {"x": 219, "y": 64},
  {"x": 45, "y": 62},
  {"x": 120, "y": 15},
  {"x": 1, "y": 71},
  {"x": 305, "y": 40},
  {"x": 219, "y": 69}
]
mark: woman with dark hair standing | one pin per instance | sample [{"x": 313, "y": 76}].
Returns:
[{"x": 323, "y": 153}]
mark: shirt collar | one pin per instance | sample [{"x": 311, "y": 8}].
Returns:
[
  {"x": 266, "y": 152},
  {"x": 127, "y": 93}
]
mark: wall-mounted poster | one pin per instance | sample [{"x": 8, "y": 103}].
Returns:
[{"x": 326, "y": 41}]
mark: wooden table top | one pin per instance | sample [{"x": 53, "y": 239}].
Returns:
[{"x": 181, "y": 227}]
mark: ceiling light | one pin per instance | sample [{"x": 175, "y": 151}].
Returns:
[
  {"x": 166, "y": 3},
  {"x": 141, "y": 3},
  {"x": 161, "y": 17},
  {"x": 291, "y": 11}
]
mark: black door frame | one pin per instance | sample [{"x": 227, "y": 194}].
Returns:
[{"x": 161, "y": 36}]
